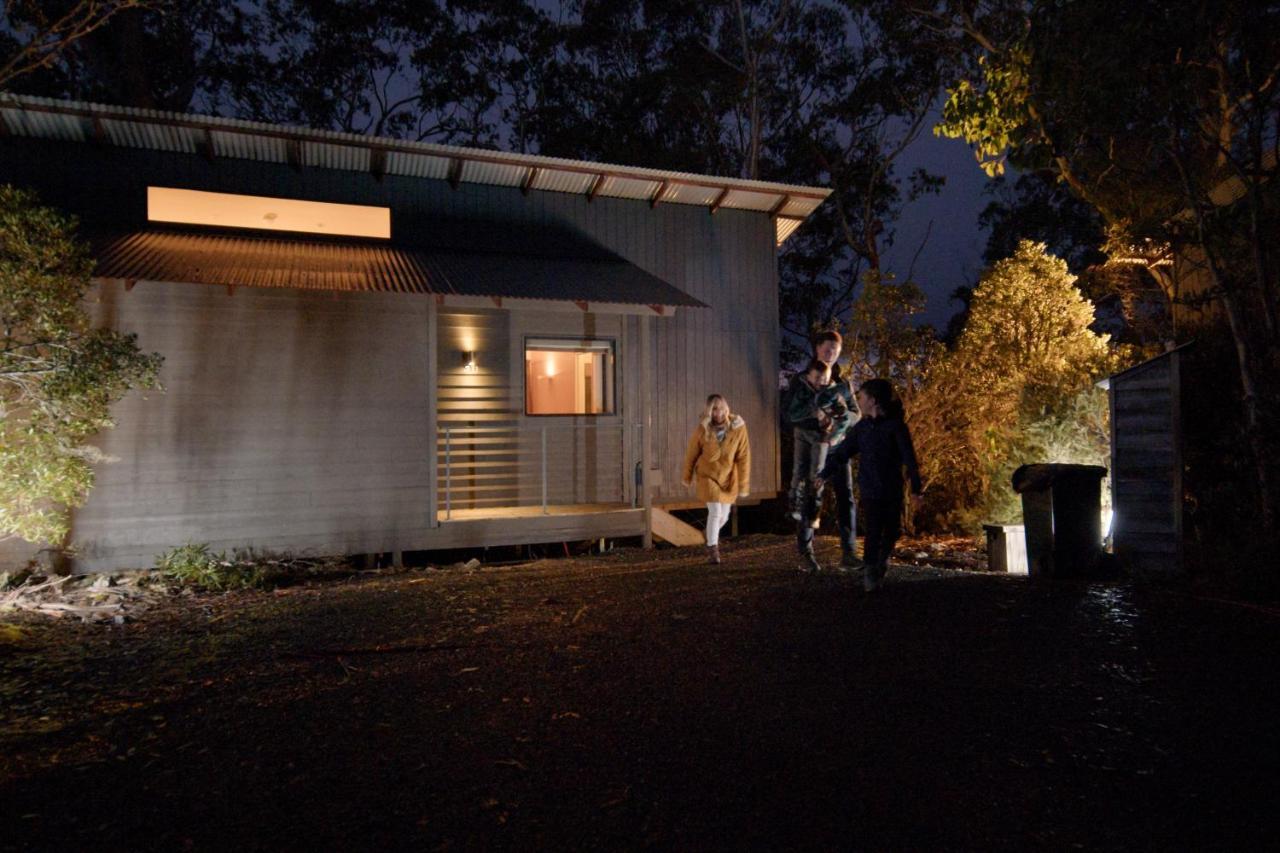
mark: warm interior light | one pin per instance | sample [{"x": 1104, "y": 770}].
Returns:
[
  {"x": 228, "y": 210},
  {"x": 566, "y": 376}
]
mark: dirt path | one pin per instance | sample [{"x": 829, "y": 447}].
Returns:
[{"x": 648, "y": 701}]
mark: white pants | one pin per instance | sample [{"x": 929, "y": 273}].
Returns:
[{"x": 717, "y": 515}]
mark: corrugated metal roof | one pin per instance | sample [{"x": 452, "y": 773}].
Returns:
[
  {"x": 686, "y": 194},
  {"x": 416, "y": 165},
  {"x": 564, "y": 182},
  {"x": 786, "y": 227},
  {"x": 46, "y": 118},
  {"x": 327, "y": 156},
  {"x": 207, "y": 257}
]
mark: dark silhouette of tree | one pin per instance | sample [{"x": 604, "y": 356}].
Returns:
[{"x": 1163, "y": 117}]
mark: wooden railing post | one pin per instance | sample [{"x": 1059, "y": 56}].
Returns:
[{"x": 448, "y": 471}]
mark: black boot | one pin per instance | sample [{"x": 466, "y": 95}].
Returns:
[
  {"x": 873, "y": 577},
  {"x": 851, "y": 563}
]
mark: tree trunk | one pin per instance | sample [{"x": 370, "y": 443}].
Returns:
[
  {"x": 1240, "y": 336},
  {"x": 1248, "y": 387}
]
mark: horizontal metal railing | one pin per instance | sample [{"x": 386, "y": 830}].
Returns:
[{"x": 589, "y": 461}]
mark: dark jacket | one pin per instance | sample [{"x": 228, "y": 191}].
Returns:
[
  {"x": 803, "y": 402},
  {"x": 884, "y": 445}
]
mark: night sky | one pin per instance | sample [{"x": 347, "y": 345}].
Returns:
[{"x": 952, "y": 257}]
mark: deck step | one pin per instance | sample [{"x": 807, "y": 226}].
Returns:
[{"x": 668, "y": 528}]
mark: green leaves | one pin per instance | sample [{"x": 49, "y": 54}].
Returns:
[
  {"x": 58, "y": 376},
  {"x": 1017, "y": 388},
  {"x": 994, "y": 114},
  {"x": 196, "y": 565}
]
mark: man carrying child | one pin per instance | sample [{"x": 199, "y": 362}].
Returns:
[{"x": 821, "y": 408}]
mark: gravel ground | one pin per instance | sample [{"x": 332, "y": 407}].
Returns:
[{"x": 644, "y": 700}]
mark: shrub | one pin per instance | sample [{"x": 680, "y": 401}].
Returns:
[
  {"x": 59, "y": 376},
  {"x": 1017, "y": 388},
  {"x": 196, "y": 565}
]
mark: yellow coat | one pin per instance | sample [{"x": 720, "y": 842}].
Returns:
[{"x": 722, "y": 469}]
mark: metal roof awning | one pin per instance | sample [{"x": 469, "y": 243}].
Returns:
[
  {"x": 239, "y": 260},
  {"x": 214, "y": 137}
]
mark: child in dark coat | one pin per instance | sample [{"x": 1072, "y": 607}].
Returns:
[{"x": 883, "y": 444}]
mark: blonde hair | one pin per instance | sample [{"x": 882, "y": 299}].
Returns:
[{"x": 711, "y": 401}]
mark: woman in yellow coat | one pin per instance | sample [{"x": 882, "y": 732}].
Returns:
[{"x": 719, "y": 460}]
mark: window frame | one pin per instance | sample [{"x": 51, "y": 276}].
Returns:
[{"x": 613, "y": 374}]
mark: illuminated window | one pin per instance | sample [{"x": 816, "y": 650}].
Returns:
[
  {"x": 227, "y": 210},
  {"x": 564, "y": 376}
]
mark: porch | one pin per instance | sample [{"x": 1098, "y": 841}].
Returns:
[{"x": 522, "y": 525}]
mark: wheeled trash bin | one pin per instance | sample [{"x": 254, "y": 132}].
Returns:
[{"x": 1061, "y": 510}]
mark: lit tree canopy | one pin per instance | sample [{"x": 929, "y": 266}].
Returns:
[{"x": 1011, "y": 387}]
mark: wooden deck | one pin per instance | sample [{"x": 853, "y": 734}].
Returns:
[
  {"x": 523, "y": 525},
  {"x": 532, "y": 511}
]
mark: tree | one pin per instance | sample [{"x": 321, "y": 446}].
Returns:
[
  {"x": 35, "y": 35},
  {"x": 827, "y": 92},
  {"x": 1040, "y": 208},
  {"x": 1163, "y": 116},
  {"x": 881, "y": 339},
  {"x": 1128, "y": 284},
  {"x": 58, "y": 375},
  {"x": 1010, "y": 390}
]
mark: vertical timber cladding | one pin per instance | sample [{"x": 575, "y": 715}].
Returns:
[
  {"x": 291, "y": 421},
  {"x": 1146, "y": 482},
  {"x": 729, "y": 262},
  {"x": 489, "y": 452}
]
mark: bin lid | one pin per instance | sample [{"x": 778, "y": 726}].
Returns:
[{"x": 1040, "y": 476}]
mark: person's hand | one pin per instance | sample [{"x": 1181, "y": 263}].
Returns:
[
  {"x": 687, "y": 483},
  {"x": 743, "y": 494}
]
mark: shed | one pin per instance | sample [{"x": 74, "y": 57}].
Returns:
[
  {"x": 1146, "y": 463},
  {"x": 375, "y": 345}
]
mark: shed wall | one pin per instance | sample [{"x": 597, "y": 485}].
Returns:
[{"x": 1146, "y": 482}]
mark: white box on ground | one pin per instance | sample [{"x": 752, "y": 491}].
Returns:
[{"x": 1006, "y": 548}]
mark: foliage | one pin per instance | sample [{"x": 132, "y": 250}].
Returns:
[
  {"x": 1010, "y": 389},
  {"x": 196, "y": 565},
  {"x": 1075, "y": 432},
  {"x": 994, "y": 114},
  {"x": 881, "y": 339},
  {"x": 1029, "y": 328},
  {"x": 47, "y": 29},
  {"x": 1040, "y": 208},
  {"x": 825, "y": 92},
  {"x": 1175, "y": 146},
  {"x": 58, "y": 376}
]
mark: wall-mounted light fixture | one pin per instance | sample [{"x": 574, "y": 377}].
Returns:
[{"x": 469, "y": 361}]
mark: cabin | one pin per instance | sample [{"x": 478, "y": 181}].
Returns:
[{"x": 373, "y": 345}]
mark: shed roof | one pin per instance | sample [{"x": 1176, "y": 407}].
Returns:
[
  {"x": 241, "y": 260},
  {"x": 1105, "y": 384},
  {"x": 212, "y": 136}
]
